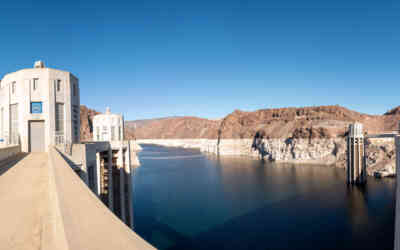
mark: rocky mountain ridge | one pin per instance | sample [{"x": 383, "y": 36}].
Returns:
[
  {"x": 306, "y": 123},
  {"x": 297, "y": 123},
  {"x": 307, "y": 134}
]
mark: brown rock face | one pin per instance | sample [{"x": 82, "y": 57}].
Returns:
[
  {"x": 394, "y": 111},
  {"x": 86, "y": 123},
  {"x": 391, "y": 119},
  {"x": 174, "y": 127},
  {"x": 311, "y": 133},
  {"x": 315, "y": 124},
  {"x": 298, "y": 123},
  {"x": 305, "y": 122}
]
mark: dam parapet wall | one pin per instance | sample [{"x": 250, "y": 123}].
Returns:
[{"x": 9, "y": 152}]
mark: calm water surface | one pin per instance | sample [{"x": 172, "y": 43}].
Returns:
[{"x": 186, "y": 200}]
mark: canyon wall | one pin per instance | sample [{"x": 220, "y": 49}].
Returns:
[
  {"x": 305, "y": 123},
  {"x": 320, "y": 151},
  {"x": 380, "y": 152},
  {"x": 86, "y": 118},
  {"x": 299, "y": 135}
]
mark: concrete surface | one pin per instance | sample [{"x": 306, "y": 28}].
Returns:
[
  {"x": 45, "y": 205},
  {"x": 23, "y": 199},
  {"x": 45, "y": 92}
]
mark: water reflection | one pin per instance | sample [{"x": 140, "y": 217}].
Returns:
[
  {"x": 214, "y": 202},
  {"x": 357, "y": 208}
]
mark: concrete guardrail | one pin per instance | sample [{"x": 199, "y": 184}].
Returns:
[
  {"x": 78, "y": 219},
  {"x": 8, "y": 152}
]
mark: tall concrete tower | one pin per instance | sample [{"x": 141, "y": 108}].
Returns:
[
  {"x": 356, "y": 165},
  {"x": 108, "y": 127},
  {"x": 114, "y": 166},
  {"x": 39, "y": 108}
]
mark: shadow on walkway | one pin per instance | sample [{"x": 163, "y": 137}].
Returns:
[{"x": 9, "y": 163}]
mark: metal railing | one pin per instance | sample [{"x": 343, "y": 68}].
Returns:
[
  {"x": 62, "y": 143},
  {"x": 59, "y": 138},
  {"x": 68, "y": 147}
]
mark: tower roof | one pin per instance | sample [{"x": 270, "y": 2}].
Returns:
[
  {"x": 38, "y": 64},
  {"x": 356, "y": 129}
]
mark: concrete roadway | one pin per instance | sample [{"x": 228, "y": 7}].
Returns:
[
  {"x": 23, "y": 202},
  {"x": 45, "y": 205}
]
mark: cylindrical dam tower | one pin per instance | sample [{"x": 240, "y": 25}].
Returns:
[{"x": 356, "y": 165}]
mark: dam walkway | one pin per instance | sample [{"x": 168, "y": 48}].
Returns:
[{"x": 45, "y": 205}]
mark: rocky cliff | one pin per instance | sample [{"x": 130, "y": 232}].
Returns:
[
  {"x": 300, "y": 135},
  {"x": 174, "y": 127},
  {"x": 306, "y": 123},
  {"x": 86, "y": 117},
  {"x": 380, "y": 152}
]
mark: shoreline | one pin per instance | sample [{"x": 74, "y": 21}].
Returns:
[{"x": 329, "y": 152}]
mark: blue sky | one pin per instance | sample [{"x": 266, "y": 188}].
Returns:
[{"x": 207, "y": 58}]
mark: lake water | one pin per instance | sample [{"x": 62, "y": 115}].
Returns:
[{"x": 186, "y": 200}]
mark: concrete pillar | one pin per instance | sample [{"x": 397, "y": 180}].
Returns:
[
  {"x": 349, "y": 172},
  {"x": 97, "y": 184},
  {"x": 121, "y": 183},
  {"x": 130, "y": 184},
  {"x": 110, "y": 181},
  {"x": 356, "y": 165},
  {"x": 397, "y": 214}
]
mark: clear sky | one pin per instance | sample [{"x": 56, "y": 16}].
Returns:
[{"x": 206, "y": 58}]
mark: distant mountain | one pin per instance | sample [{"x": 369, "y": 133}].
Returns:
[
  {"x": 143, "y": 122},
  {"x": 131, "y": 126},
  {"x": 302, "y": 122},
  {"x": 173, "y": 127}
]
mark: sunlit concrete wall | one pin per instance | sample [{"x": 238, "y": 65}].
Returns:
[
  {"x": 18, "y": 88},
  {"x": 108, "y": 127},
  {"x": 79, "y": 220},
  {"x": 107, "y": 167}
]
